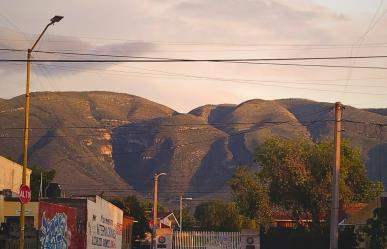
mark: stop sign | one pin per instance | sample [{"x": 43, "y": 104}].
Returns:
[{"x": 24, "y": 194}]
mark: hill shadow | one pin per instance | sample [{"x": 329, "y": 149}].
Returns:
[
  {"x": 215, "y": 169},
  {"x": 377, "y": 163},
  {"x": 135, "y": 157}
]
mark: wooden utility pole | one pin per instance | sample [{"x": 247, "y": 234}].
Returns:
[{"x": 334, "y": 235}]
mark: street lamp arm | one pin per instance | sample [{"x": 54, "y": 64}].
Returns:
[
  {"x": 160, "y": 174},
  {"x": 52, "y": 21},
  {"x": 40, "y": 36}
]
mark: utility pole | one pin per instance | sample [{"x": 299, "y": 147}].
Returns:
[
  {"x": 155, "y": 221},
  {"x": 334, "y": 235},
  {"x": 41, "y": 185},
  {"x": 181, "y": 210},
  {"x": 26, "y": 127}
]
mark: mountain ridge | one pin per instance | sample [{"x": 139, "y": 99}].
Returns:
[{"x": 115, "y": 142}]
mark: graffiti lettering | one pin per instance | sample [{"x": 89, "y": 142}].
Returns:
[
  {"x": 103, "y": 242},
  {"x": 106, "y": 231},
  {"x": 96, "y": 241},
  {"x": 54, "y": 232},
  {"x": 106, "y": 220}
]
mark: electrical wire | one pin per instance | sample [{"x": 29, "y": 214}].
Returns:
[{"x": 200, "y": 60}]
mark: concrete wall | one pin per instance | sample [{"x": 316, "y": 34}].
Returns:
[
  {"x": 104, "y": 225},
  {"x": 12, "y": 209},
  {"x": 11, "y": 175}
]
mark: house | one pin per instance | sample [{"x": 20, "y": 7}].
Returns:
[
  {"x": 11, "y": 175},
  {"x": 358, "y": 218},
  {"x": 165, "y": 220},
  {"x": 284, "y": 220},
  {"x": 127, "y": 228}
]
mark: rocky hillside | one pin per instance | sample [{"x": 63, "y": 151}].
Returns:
[{"x": 114, "y": 143}]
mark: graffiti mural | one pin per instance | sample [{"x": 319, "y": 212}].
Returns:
[
  {"x": 54, "y": 233},
  {"x": 58, "y": 230}
]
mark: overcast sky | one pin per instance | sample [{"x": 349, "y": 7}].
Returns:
[{"x": 201, "y": 29}]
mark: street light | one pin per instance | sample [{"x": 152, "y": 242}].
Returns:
[
  {"x": 181, "y": 209},
  {"x": 26, "y": 126},
  {"x": 155, "y": 180}
]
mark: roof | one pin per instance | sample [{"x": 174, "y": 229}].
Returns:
[
  {"x": 349, "y": 210},
  {"x": 284, "y": 215},
  {"x": 166, "y": 215},
  {"x": 362, "y": 214},
  {"x": 162, "y": 215}
]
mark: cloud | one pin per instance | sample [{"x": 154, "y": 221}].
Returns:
[
  {"x": 268, "y": 18},
  {"x": 199, "y": 29},
  {"x": 16, "y": 40}
]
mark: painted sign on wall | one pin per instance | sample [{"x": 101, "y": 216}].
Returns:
[
  {"x": 57, "y": 226},
  {"x": 104, "y": 225}
]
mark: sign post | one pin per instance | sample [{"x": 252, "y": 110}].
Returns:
[{"x": 24, "y": 194}]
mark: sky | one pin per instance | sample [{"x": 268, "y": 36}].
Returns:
[{"x": 201, "y": 29}]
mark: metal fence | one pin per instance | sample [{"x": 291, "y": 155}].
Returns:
[
  {"x": 206, "y": 240},
  {"x": 9, "y": 237}
]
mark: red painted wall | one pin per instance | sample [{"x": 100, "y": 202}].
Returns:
[{"x": 58, "y": 224}]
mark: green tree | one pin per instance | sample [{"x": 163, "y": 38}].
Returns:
[
  {"x": 148, "y": 205},
  {"x": 134, "y": 208},
  {"x": 218, "y": 216},
  {"x": 348, "y": 238},
  {"x": 251, "y": 196},
  {"x": 188, "y": 219},
  {"x": 376, "y": 229},
  {"x": 298, "y": 173},
  {"x": 47, "y": 177}
]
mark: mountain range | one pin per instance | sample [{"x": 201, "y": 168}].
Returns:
[{"x": 112, "y": 143}]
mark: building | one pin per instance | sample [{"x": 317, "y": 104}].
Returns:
[
  {"x": 11, "y": 175},
  {"x": 358, "y": 218},
  {"x": 99, "y": 221},
  {"x": 44, "y": 221},
  {"x": 57, "y": 222},
  {"x": 127, "y": 228},
  {"x": 165, "y": 220},
  {"x": 284, "y": 220}
]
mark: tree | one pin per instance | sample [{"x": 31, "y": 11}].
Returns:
[
  {"x": 298, "y": 173},
  {"x": 348, "y": 238},
  {"x": 148, "y": 205},
  {"x": 134, "y": 208},
  {"x": 47, "y": 177},
  {"x": 250, "y": 194},
  {"x": 188, "y": 219},
  {"x": 376, "y": 228},
  {"x": 218, "y": 216}
]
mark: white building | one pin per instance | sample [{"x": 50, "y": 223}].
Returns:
[{"x": 11, "y": 175}]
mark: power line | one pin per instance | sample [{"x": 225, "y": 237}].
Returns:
[
  {"x": 134, "y": 125},
  {"x": 238, "y": 61},
  {"x": 364, "y": 122},
  {"x": 196, "y": 142},
  {"x": 175, "y": 76},
  {"x": 227, "y": 80},
  {"x": 309, "y": 65},
  {"x": 200, "y": 60}
]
